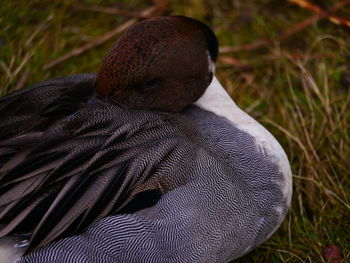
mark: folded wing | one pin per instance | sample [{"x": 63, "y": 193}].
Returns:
[{"x": 76, "y": 159}]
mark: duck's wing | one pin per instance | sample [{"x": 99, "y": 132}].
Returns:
[
  {"x": 34, "y": 108},
  {"x": 85, "y": 166}
]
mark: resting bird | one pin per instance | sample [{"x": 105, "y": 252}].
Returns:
[{"x": 149, "y": 161}]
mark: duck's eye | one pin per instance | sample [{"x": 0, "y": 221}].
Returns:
[{"x": 151, "y": 83}]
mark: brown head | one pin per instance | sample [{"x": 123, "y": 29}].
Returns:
[{"x": 163, "y": 63}]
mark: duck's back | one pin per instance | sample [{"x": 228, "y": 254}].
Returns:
[
  {"x": 65, "y": 165},
  {"x": 190, "y": 188}
]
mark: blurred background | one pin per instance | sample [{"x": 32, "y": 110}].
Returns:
[{"x": 286, "y": 63}]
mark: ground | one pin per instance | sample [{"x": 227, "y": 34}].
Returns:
[{"x": 288, "y": 71}]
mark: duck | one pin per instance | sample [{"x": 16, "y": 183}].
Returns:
[{"x": 150, "y": 160}]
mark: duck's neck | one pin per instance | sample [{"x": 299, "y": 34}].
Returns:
[{"x": 216, "y": 100}]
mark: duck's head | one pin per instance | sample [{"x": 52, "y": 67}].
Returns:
[{"x": 163, "y": 63}]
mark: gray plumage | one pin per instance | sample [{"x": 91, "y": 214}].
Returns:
[{"x": 187, "y": 187}]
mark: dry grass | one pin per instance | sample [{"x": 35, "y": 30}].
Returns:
[{"x": 296, "y": 87}]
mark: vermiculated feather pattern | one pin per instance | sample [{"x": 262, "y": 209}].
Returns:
[{"x": 218, "y": 194}]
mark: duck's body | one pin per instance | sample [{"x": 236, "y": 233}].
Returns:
[{"x": 195, "y": 186}]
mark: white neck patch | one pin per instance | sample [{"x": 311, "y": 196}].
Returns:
[
  {"x": 211, "y": 64},
  {"x": 216, "y": 100}
]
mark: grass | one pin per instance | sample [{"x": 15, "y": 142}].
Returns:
[{"x": 296, "y": 87}]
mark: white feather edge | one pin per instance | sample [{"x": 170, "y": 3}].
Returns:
[{"x": 216, "y": 100}]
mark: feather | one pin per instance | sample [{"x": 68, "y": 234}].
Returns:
[{"x": 83, "y": 166}]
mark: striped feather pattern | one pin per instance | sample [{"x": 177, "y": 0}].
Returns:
[{"x": 217, "y": 195}]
